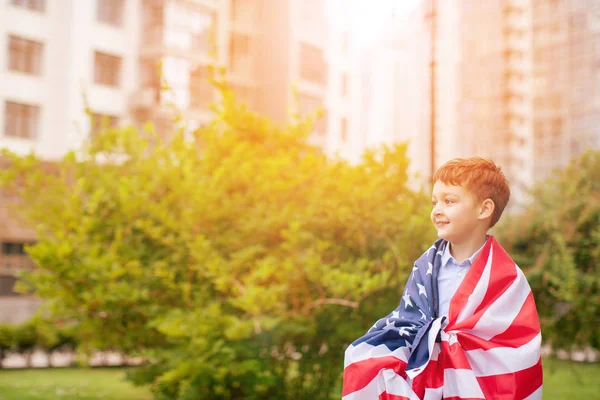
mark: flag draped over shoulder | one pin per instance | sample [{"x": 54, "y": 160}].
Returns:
[{"x": 487, "y": 348}]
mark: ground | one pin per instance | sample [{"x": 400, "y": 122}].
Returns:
[{"x": 562, "y": 381}]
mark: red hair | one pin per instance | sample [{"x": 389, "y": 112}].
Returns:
[{"x": 480, "y": 176}]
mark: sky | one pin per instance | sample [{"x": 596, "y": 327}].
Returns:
[{"x": 366, "y": 17}]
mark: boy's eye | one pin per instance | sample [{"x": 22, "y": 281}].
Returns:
[
  {"x": 449, "y": 201},
  {"x": 433, "y": 203}
]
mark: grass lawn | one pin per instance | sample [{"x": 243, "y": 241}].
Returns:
[
  {"x": 565, "y": 380},
  {"x": 69, "y": 384},
  {"x": 562, "y": 381}
]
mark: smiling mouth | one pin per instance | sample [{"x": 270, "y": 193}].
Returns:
[{"x": 441, "y": 224}]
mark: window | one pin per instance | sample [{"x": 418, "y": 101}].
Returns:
[
  {"x": 102, "y": 122},
  {"x": 345, "y": 43},
  {"x": 344, "y": 129},
  {"x": 203, "y": 30},
  {"x": 201, "y": 91},
  {"x": 244, "y": 94},
  {"x": 153, "y": 20},
  {"x": 308, "y": 105},
  {"x": 34, "y": 5},
  {"x": 244, "y": 11},
  {"x": 240, "y": 54},
  {"x": 7, "y": 284},
  {"x": 107, "y": 69},
  {"x": 312, "y": 65},
  {"x": 189, "y": 26},
  {"x": 21, "y": 120},
  {"x": 150, "y": 73},
  {"x": 11, "y": 248},
  {"x": 345, "y": 85},
  {"x": 110, "y": 11},
  {"x": 24, "y": 55}
]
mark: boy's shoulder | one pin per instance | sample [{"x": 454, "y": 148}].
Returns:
[
  {"x": 438, "y": 245},
  {"x": 429, "y": 254}
]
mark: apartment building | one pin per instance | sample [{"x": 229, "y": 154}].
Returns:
[
  {"x": 494, "y": 93},
  {"x": 59, "y": 57},
  {"x": 377, "y": 71},
  {"x": 53, "y": 55},
  {"x": 267, "y": 46},
  {"x": 526, "y": 84}
]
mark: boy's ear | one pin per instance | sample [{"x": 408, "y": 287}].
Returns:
[{"x": 487, "y": 209}]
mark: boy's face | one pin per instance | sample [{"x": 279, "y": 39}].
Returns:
[{"x": 455, "y": 212}]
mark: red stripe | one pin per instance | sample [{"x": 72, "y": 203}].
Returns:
[
  {"x": 453, "y": 356},
  {"x": 522, "y": 330},
  {"x": 516, "y": 385},
  {"x": 387, "y": 396},
  {"x": 469, "y": 282},
  {"x": 462, "y": 398},
  {"x": 503, "y": 273},
  {"x": 432, "y": 377},
  {"x": 361, "y": 373}
]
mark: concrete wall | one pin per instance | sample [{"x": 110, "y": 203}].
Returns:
[{"x": 70, "y": 34}]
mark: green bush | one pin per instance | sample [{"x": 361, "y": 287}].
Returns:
[
  {"x": 7, "y": 333},
  {"x": 557, "y": 242},
  {"x": 240, "y": 260},
  {"x": 26, "y": 340}
]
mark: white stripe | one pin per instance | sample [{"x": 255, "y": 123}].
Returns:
[
  {"x": 461, "y": 383},
  {"x": 505, "y": 360},
  {"x": 479, "y": 292},
  {"x": 366, "y": 351},
  {"x": 386, "y": 381},
  {"x": 537, "y": 395},
  {"x": 435, "y": 327},
  {"x": 502, "y": 312},
  {"x": 396, "y": 385},
  {"x": 433, "y": 394},
  {"x": 370, "y": 391}
]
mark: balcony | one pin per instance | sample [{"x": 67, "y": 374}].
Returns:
[
  {"x": 145, "y": 98},
  {"x": 13, "y": 263}
]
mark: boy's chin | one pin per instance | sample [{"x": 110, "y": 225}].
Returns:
[{"x": 444, "y": 235}]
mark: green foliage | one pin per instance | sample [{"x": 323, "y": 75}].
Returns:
[
  {"x": 241, "y": 261},
  {"x": 7, "y": 333},
  {"x": 25, "y": 340},
  {"x": 557, "y": 241}
]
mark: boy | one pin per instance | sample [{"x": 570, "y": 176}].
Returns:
[{"x": 466, "y": 326}]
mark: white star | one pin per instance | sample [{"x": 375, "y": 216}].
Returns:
[
  {"x": 422, "y": 289},
  {"x": 407, "y": 301},
  {"x": 408, "y": 344},
  {"x": 413, "y": 274},
  {"x": 373, "y": 327},
  {"x": 395, "y": 314},
  {"x": 404, "y": 331},
  {"x": 452, "y": 339},
  {"x": 429, "y": 269},
  {"x": 388, "y": 325},
  {"x": 423, "y": 316}
]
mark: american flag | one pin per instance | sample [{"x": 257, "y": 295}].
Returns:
[{"x": 487, "y": 348}]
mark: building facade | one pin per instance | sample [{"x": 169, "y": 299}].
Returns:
[
  {"x": 519, "y": 84},
  {"x": 62, "y": 60},
  {"x": 53, "y": 56}
]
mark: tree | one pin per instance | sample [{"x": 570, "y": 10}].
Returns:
[
  {"x": 557, "y": 241},
  {"x": 6, "y": 341},
  {"x": 240, "y": 262},
  {"x": 25, "y": 340}
]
